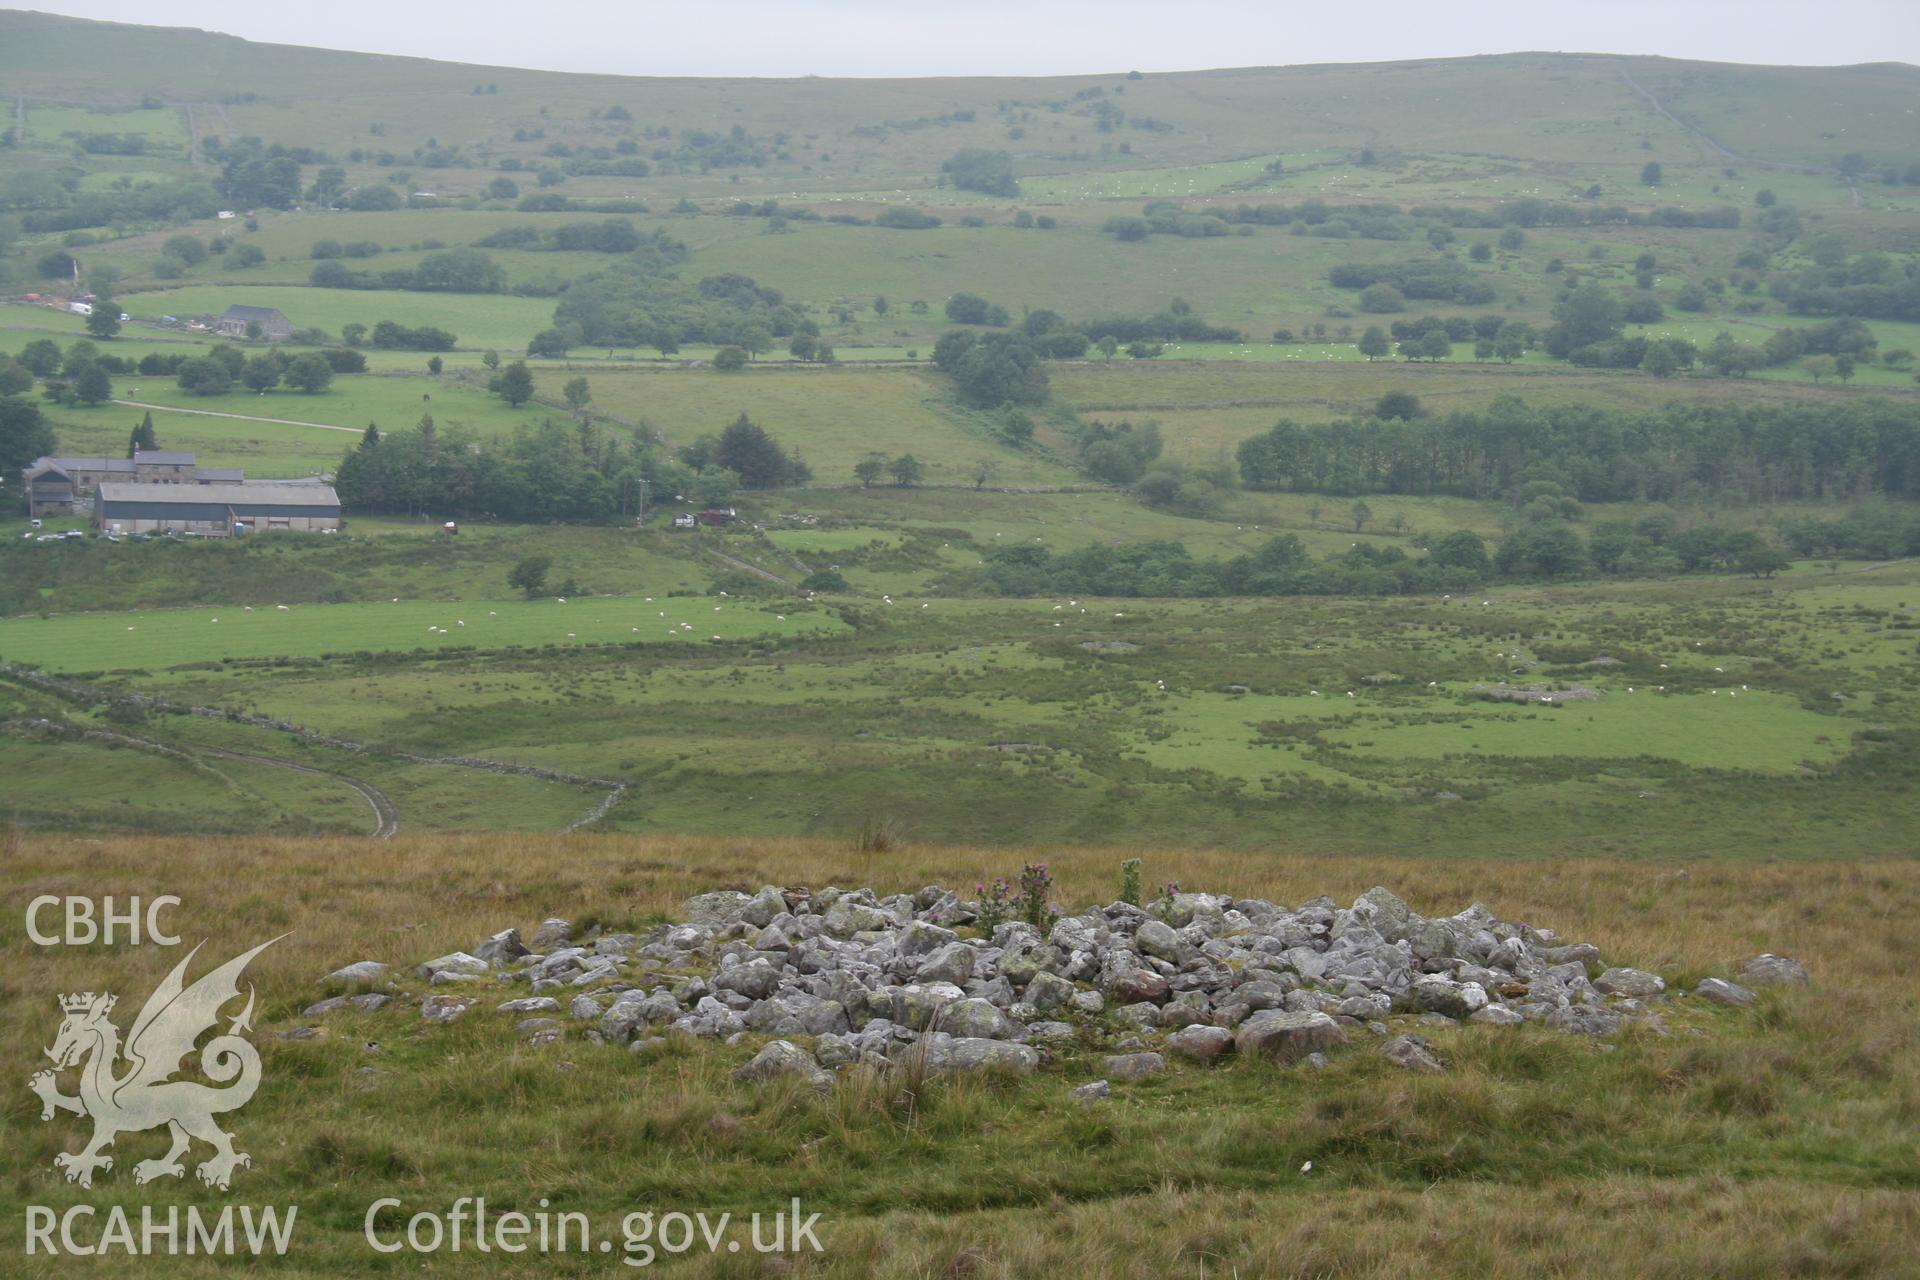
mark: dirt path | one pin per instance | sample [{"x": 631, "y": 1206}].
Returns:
[
  {"x": 239, "y": 417},
  {"x": 20, "y": 121}
]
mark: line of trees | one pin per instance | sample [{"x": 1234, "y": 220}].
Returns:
[
  {"x": 612, "y": 235},
  {"x": 1457, "y": 561},
  {"x": 1752, "y": 452},
  {"x": 553, "y": 471},
  {"x": 580, "y": 471},
  {"x": 464, "y": 270}
]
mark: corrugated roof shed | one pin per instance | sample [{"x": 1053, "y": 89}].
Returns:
[{"x": 213, "y": 502}]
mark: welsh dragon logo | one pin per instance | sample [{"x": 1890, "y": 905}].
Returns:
[{"x": 144, "y": 1096}]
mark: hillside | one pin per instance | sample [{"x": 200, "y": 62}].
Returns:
[
  {"x": 908, "y": 610},
  {"x": 1566, "y": 114}
]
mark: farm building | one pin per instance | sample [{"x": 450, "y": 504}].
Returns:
[
  {"x": 274, "y": 327},
  {"x": 66, "y": 486},
  {"x": 215, "y": 510}
]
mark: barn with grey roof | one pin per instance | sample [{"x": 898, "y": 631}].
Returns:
[{"x": 216, "y": 510}]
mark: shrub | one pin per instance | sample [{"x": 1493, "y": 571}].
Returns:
[
  {"x": 905, "y": 219},
  {"x": 824, "y": 580},
  {"x": 996, "y": 905}
]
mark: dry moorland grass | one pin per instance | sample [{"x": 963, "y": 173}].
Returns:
[{"x": 1772, "y": 1141}]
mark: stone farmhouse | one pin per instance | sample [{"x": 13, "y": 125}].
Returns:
[
  {"x": 274, "y": 327},
  {"x": 60, "y": 486}
]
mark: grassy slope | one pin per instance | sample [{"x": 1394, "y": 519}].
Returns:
[
  {"x": 834, "y": 417},
  {"x": 164, "y": 637},
  {"x": 1755, "y": 1142},
  {"x": 1716, "y": 729},
  {"x": 1544, "y": 107}
]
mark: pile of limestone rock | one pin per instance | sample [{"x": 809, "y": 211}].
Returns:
[{"x": 864, "y": 978}]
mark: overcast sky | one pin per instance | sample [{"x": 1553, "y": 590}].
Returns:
[{"x": 1037, "y": 37}]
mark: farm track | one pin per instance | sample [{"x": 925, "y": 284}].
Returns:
[
  {"x": 386, "y": 819},
  {"x": 384, "y": 810},
  {"x": 743, "y": 566},
  {"x": 1720, "y": 149},
  {"x": 240, "y": 417}
]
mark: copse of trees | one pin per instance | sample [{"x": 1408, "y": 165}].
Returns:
[
  {"x": 1748, "y": 452},
  {"x": 751, "y": 453},
  {"x": 904, "y": 219},
  {"x": 641, "y": 303},
  {"x": 1177, "y": 322},
  {"x": 46, "y": 205},
  {"x": 1441, "y": 279},
  {"x": 993, "y": 369},
  {"x": 254, "y": 172},
  {"x": 614, "y": 235},
  {"x": 463, "y": 270},
  {"x": 391, "y": 336},
  {"x": 1117, "y": 452},
  {"x": 978, "y": 169},
  {"x": 971, "y": 308},
  {"x": 553, "y": 471}
]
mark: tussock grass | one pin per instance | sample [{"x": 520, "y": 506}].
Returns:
[{"x": 1769, "y": 1141}]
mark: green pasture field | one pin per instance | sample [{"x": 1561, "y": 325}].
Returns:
[
  {"x": 300, "y": 435},
  {"x": 1321, "y": 389},
  {"x": 1715, "y": 725},
  {"x": 547, "y": 272},
  {"x": 479, "y": 320},
  {"x": 1249, "y": 282},
  {"x": 50, "y": 126},
  {"x": 167, "y": 637},
  {"x": 834, "y": 417},
  {"x": 353, "y": 401},
  {"x": 374, "y": 560},
  {"x": 266, "y": 451}
]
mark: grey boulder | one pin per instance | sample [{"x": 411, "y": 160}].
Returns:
[
  {"x": 1201, "y": 1043},
  {"x": 1135, "y": 1066},
  {"x": 1637, "y": 983},
  {"x": 1287, "y": 1037},
  {"x": 785, "y": 1058},
  {"x": 1771, "y": 970},
  {"x": 1412, "y": 1053},
  {"x": 1720, "y": 991}
]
